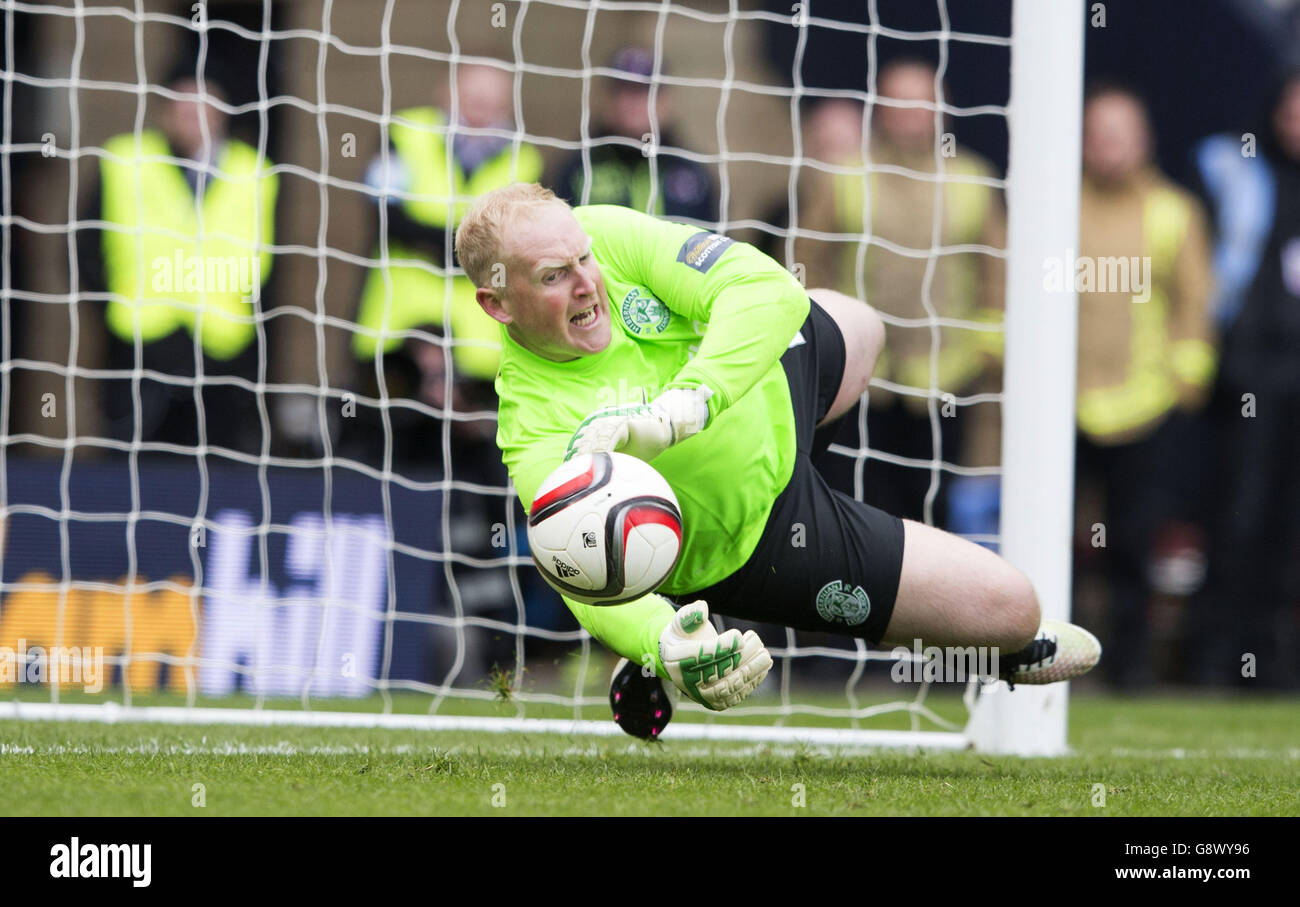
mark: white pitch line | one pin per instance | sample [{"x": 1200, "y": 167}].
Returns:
[
  {"x": 1229, "y": 753},
  {"x": 590, "y": 751},
  {"x": 112, "y": 713},
  {"x": 285, "y": 748},
  {"x": 193, "y": 749}
]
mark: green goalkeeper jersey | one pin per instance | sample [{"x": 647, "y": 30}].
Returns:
[{"x": 688, "y": 308}]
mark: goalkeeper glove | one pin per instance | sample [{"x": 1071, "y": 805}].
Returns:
[
  {"x": 644, "y": 430},
  {"x": 716, "y": 671}
]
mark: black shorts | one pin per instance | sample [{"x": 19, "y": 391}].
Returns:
[{"x": 825, "y": 562}]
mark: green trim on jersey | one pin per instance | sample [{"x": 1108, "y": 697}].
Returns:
[{"x": 688, "y": 308}]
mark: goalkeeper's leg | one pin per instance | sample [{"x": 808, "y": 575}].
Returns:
[
  {"x": 952, "y": 592},
  {"x": 949, "y": 591},
  {"x": 863, "y": 334}
]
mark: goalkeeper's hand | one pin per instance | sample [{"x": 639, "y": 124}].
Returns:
[
  {"x": 644, "y": 430},
  {"x": 716, "y": 671}
]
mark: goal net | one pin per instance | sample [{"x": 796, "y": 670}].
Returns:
[{"x": 247, "y": 470}]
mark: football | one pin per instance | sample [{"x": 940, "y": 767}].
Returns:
[{"x": 605, "y": 528}]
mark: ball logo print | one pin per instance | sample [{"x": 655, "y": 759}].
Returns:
[
  {"x": 564, "y": 570},
  {"x": 605, "y": 528},
  {"x": 840, "y": 603}
]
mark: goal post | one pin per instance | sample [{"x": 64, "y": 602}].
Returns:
[
  {"x": 1041, "y": 349},
  {"x": 314, "y": 589}
]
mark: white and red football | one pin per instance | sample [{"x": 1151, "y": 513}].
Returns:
[{"x": 605, "y": 528}]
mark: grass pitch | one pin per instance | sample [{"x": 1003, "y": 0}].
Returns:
[{"x": 1157, "y": 756}]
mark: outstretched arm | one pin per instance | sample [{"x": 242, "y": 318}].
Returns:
[
  {"x": 716, "y": 670},
  {"x": 631, "y": 629},
  {"x": 749, "y": 305}
]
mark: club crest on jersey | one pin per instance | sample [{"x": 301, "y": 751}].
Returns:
[
  {"x": 702, "y": 250},
  {"x": 643, "y": 313},
  {"x": 842, "y": 603}
]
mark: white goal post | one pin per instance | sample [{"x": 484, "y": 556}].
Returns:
[
  {"x": 328, "y": 574},
  {"x": 1041, "y": 350}
]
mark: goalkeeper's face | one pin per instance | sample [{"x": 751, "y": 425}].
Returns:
[{"x": 554, "y": 301}]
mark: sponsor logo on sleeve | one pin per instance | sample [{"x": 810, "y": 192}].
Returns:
[
  {"x": 702, "y": 250},
  {"x": 643, "y": 313}
]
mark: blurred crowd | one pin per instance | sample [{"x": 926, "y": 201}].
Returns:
[{"x": 1188, "y": 450}]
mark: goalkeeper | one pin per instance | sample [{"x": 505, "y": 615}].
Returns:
[{"x": 707, "y": 359}]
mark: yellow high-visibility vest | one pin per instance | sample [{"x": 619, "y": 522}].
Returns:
[
  {"x": 412, "y": 290},
  {"x": 1148, "y": 390},
  {"x": 962, "y": 353},
  {"x": 171, "y": 261}
]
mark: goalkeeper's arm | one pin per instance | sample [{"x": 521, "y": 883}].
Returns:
[
  {"x": 716, "y": 670},
  {"x": 752, "y": 308},
  {"x": 632, "y": 629}
]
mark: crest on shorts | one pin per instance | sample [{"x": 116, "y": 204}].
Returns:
[
  {"x": 643, "y": 313},
  {"x": 843, "y": 603}
]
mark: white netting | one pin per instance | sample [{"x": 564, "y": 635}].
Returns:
[{"x": 312, "y": 559}]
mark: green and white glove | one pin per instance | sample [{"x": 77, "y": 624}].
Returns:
[
  {"x": 716, "y": 671},
  {"x": 644, "y": 430}
]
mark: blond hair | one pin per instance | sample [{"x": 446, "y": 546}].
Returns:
[{"x": 480, "y": 236}]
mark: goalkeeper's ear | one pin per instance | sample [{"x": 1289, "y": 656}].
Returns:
[{"x": 490, "y": 300}]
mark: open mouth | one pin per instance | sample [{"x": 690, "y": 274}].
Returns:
[{"x": 585, "y": 318}]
